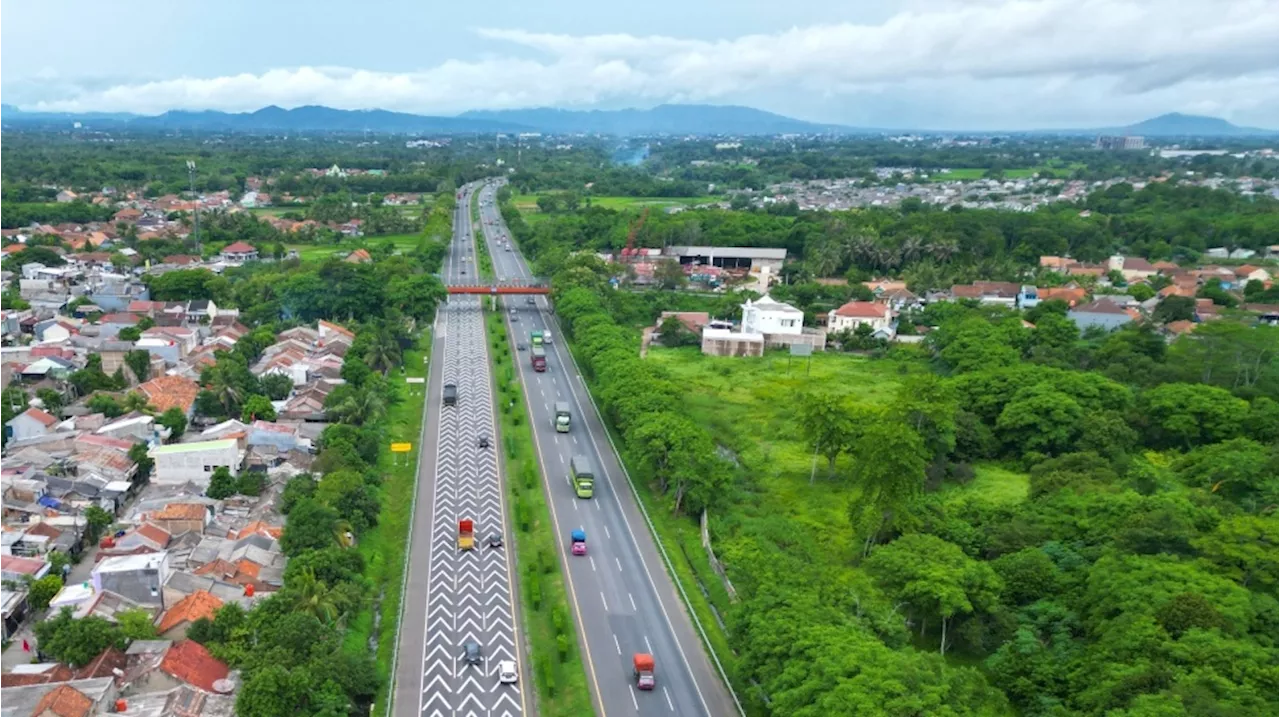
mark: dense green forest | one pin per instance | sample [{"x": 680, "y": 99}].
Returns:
[{"x": 1138, "y": 577}]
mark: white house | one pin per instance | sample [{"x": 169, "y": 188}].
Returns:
[
  {"x": 180, "y": 463},
  {"x": 767, "y": 316},
  {"x": 858, "y": 313},
  {"x": 30, "y": 423}
]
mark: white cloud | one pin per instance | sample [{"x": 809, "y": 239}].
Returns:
[{"x": 1188, "y": 52}]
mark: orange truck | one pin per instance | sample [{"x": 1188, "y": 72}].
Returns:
[
  {"x": 642, "y": 664},
  {"x": 466, "y": 534}
]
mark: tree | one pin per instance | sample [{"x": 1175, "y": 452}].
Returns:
[
  {"x": 1041, "y": 419},
  {"x": 251, "y": 483},
  {"x": 1244, "y": 549},
  {"x": 299, "y": 487},
  {"x": 97, "y": 521},
  {"x": 383, "y": 353},
  {"x": 673, "y": 333},
  {"x": 311, "y": 526},
  {"x": 1239, "y": 470},
  {"x": 276, "y": 386},
  {"x": 1174, "y": 308},
  {"x": 207, "y": 404},
  {"x": 139, "y": 362},
  {"x": 175, "y": 420},
  {"x": 136, "y": 624},
  {"x": 1141, "y": 292},
  {"x": 52, "y": 400},
  {"x": 669, "y": 275},
  {"x": 258, "y": 408},
  {"x": 312, "y": 597},
  {"x": 1028, "y": 575},
  {"x": 356, "y": 406},
  {"x": 935, "y": 577},
  {"x": 1187, "y": 415},
  {"x": 77, "y": 641},
  {"x": 130, "y": 334},
  {"x": 888, "y": 473},
  {"x": 827, "y": 425},
  {"x": 222, "y": 484},
  {"x": 41, "y": 591},
  {"x": 104, "y": 404}
]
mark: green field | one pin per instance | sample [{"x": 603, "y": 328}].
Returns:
[
  {"x": 318, "y": 252},
  {"x": 528, "y": 203},
  {"x": 384, "y": 546}
]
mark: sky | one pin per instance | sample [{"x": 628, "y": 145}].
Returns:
[{"x": 926, "y": 64}]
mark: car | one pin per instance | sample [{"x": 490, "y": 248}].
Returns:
[
  {"x": 472, "y": 653},
  {"x": 495, "y": 540},
  {"x": 529, "y": 300},
  {"x": 450, "y": 394},
  {"x": 579, "y": 549},
  {"x": 521, "y": 347},
  {"x": 462, "y": 272},
  {"x": 507, "y": 672},
  {"x": 484, "y": 440}
]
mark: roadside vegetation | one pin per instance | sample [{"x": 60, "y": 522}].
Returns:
[{"x": 549, "y": 626}]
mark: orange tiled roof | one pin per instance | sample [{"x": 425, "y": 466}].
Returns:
[
  {"x": 64, "y": 701},
  {"x": 198, "y": 604},
  {"x": 168, "y": 392},
  {"x": 181, "y": 511},
  {"x": 260, "y": 527},
  {"x": 189, "y": 661}
]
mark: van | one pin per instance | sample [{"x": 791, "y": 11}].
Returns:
[{"x": 450, "y": 394}]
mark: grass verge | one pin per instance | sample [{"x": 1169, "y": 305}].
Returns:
[
  {"x": 384, "y": 547},
  {"x": 528, "y": 203},
  {"x": 403, "y": 243},
  {"x": 549, "y": 627}
]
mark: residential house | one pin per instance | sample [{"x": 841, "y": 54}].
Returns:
[
  {"x": 119, "y": 293},
  {"x": 181, "y": 518},
  {"x": 17, "y": 569},
  {"x": 1246, "y": 273},
  {"x": 330, "y": 331},
  {"x": 194, "y": 462},
  {"x": 175, "y": 621},
  {"x": 55, "y": 331},
  {"x": 1071, "y": 294},
  {"x": 31, "y": 422},
  {"x": 198, "y": 309},
  {"x": 1106, "y": 314},
  {"x": 238, "y": 253},
  {"x": 998, "y": 293},
  {"x": 1133, "y": 268},
  {"x": 282, "y": 436},
  {"x": 110, "y": 325},
  {"x": 136, "y": 577},
  {"x": 767, "y": 316},
  {"x": 66, "y": 196},
  {"x": 359, "y": 256},
  {"x": 1028, "y": 297},
  {"x": 860, "y": 313},
  {"x": 190, "y": 662},
  {"x": 171, "y": 391},
  {"x": 691, "y": 320},
  {"x": 77, "y": 698}
]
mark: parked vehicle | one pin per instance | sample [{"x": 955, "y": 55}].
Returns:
[
  {"x": 642, "y": 670},
  {"x": 578, "y": 540}
]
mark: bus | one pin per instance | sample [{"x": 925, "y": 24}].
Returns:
[{"x": 581, "y": 476}]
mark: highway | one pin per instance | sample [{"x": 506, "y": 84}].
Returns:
[
  {"x": 623, "y": 599},
  {"x": 453, "y": 596}
]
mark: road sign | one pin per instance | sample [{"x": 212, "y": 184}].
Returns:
[
  {"x": 801, "y": 349},
  {"x": 415, "y": 379},
  {"x": 401, "y": 447}
]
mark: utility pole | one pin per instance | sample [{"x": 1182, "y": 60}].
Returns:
[{"x": 191, "y": 175}]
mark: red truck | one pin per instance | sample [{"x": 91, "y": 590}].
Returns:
[
  {"x": 538, "y": 357},
  {"x": 642, "y": 664}
]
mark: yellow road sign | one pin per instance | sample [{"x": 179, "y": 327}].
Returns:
[{"x": 401, "y": 447}]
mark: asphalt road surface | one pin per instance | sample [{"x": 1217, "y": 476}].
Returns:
[
  {"x": 454, "y": 596},
  {"x": 624, "y": 600}
]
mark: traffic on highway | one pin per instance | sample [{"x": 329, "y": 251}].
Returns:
[{"x": 642, "y": 651}]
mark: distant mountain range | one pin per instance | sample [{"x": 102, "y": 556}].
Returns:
[
  {"x": 1180, "y": 125},
  {"x": 663, "y": 119}
]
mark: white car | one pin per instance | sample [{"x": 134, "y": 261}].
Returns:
[{"x": 507, "y": 672}]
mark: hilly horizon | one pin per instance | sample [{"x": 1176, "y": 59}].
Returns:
[{"x": 675, "y": 119}]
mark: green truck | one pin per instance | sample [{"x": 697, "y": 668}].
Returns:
[
  {"x": 581, "y": 477},
  {"x": 563, "y": 417},
  {"x": 535, "y": 338}
]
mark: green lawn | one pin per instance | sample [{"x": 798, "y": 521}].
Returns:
[
  {"x": 319, "y": 252},
  {"x": 994, "y": 484},
  {"x": 528, "y": 203},
  {"x": 1058, "y": 170},
  {"x": 384, "y": 546},
  {"x": 548, "y": 626}
]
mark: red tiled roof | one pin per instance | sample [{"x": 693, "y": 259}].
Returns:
[
  {"x": 238, "y": 248},
  {"x": 103, "y": 665},
  {"x": 261, "y": 528},
  {"x": 57, "y": 673},
  {"x": 198, "y": 604},
  {"x": 64, "y": 701},
  {"x": 25, "y": 566},
  {"x": 190, "y": 662},
  {"x": 334, "y": 327},
  {"x": 863, "y": 310},
  {"x": 167, "y": 392},
  {"x": 154, "y": 533},
  {"x": 1071, "y": 296},
  {"x": 118, "y": 318},
  {"x": 359, "y": 256},
  {"x": 41, "y": 416},
  {"x": 1180, "y": 327}
]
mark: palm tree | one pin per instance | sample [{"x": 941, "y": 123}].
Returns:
[
  {"x": 384, "y": 352},
  {"x": 228, "y": 393},
  {"x": 313, "y": 597},
  {"x": 360, "y": 407},
  {"x": 135, "y": 401}
]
